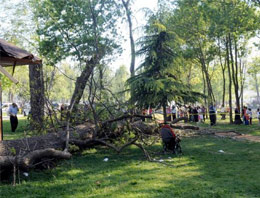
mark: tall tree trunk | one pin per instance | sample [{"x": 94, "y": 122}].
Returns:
[
  {"x": 242, "y": 82},
  {"x": 230, "y": 83},
  {"x": 132, "y": 43},
  {"x": 204, "y": 92},
  {"x": 211, "y": 98},
  {"x": 164, "y": 112},
  {"x": 37, "y": 95},
  {"x": 235, "y": 81},
  {"x": 224, "y": 88},
  {"x": 234, "y": 70},
  {"x": 81, "y": 83},
  {"x": 223, "y": 68}
]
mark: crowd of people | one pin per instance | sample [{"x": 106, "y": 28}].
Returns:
[
  {"x": 193, "y": 113},
  {"x": 248, "y": 115},
  {"x": 201, "y": 113}
]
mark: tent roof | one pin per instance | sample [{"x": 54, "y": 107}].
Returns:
[{"x": 11, "y": 55}]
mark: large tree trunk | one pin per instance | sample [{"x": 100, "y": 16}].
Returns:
[
  {"x": 81, "y": 83},
  {"x": 164, "y": 112},
  {"x": 230, "y": 83},
  {"x": 132, "y": 43},
  {"x": 223, "y": 68},
  {"x": 35, "y": 151},
  {"x": 234, "y": 70},
  {"x": 37, "y": 95},
  {"x": 211, "y": 98}
]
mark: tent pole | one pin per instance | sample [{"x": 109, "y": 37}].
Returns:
[{"x": 1, "y": 114}]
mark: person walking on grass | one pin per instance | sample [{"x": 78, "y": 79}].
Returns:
[
  {"x": 258, "y": 115},
  {"x": 250, "y": 114},
  {"x": 13, "y": 110}
]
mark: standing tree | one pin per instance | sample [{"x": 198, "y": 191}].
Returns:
[
  {"x": 157, "y": 82},
  {"x": 82, "y": 30},
  {"x": 126, "y": 4}
]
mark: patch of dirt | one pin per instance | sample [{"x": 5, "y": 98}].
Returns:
[
  {"x": 247, "y": 137},
  {"x": 237, "y": 136},
  {"x": 223, "y": 134}
]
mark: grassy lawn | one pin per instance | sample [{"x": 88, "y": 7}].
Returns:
[
  {"x": 19, "y": 133},
  {"x": 201, "y": 172}
]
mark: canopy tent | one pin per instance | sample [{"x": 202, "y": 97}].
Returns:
[{"x": 11, "y": 55}]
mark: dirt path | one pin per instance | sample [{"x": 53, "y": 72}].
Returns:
[
  {"x": 224, "y": 134},
  {"x": 238, "y": 136},
  {"x": 230, "y": 134}
]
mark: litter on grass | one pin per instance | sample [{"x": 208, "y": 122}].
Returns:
[
  {"x": 221, "y": 151},
  {"x": 105, "y": 159}
]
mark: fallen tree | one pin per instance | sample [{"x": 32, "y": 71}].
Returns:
[{"x": 27, "y": 153}]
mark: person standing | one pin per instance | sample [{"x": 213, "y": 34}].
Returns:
[
  {"x": 13, "y": 110},
  {"x": 223, "y": 113},
  {"x": 258, "y": 115},
  {"x": 250, "y": 114},
  {"x": 200, "y": 114},
  {"x": 195, "y": 114},
  {"x": 173, "y": 112},
  {"x": 212, "y": 115},
  {"x": 203, "y": 110}
]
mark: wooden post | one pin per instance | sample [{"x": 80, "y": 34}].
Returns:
[
  {"x": 2, "y": 70},
  {"x": 1, "y": 114}
]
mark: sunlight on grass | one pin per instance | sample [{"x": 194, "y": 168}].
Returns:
[{"x": 20, "y": 131}]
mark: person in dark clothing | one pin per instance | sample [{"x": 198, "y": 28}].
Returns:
[
  {"x": 204, "y": 113},
  {"x": 237, "y": 117},
  {"x": 212, "y": 115},
  {"x": 173, "y": 112},
  {"x": 168, "y": 137},
  {"x": 190, "y": 113},
  {"x": 13, "y": 110},
  {"x": 195, "y": 114}
]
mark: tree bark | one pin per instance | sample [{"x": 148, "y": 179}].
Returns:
[
  {"x": 37, "y": 95},
  {"x": 164, "y": 112},
  {"x": 230, "y": 82},
  {"x": 223, "y": 68},
  {"x": 132, "y": 43},
  {"x": 234, "y": 71},
  {"x": 211, "y": 98},
  {"x": 81, "y": 83}
]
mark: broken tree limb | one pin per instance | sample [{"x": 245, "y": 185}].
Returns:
[
  {"x": 126, "y": 116},
  {"x": 28, "y": 160},
  {"x": 179, "y": 119},
  {"x": 185, "y": 127},
  {"x": 38, "y": 151}
]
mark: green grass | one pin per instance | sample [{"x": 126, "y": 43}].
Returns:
[
  {"x": 19, "y": 133},
  {"x": 201, "y": 172}
]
